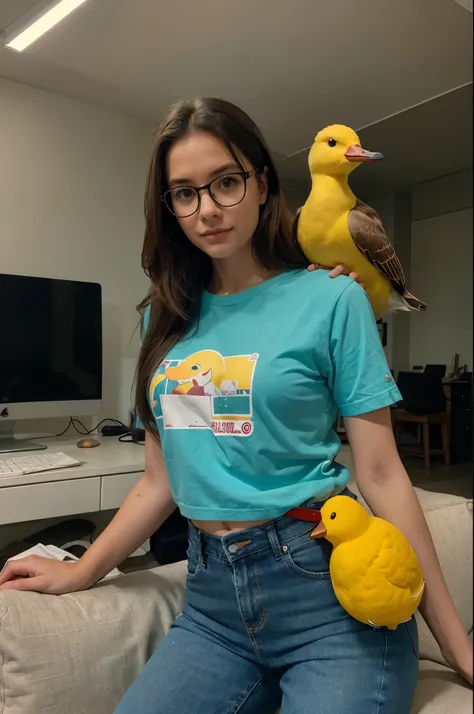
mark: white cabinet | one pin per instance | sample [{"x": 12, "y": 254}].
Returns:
[
  {"x": 47, "y": 500},
  {"x": 114, "y": 489}
]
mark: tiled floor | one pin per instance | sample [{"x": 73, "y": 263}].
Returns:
[
  {"x": 443, "y": 479},
  {"x": 457, "y": 480}
]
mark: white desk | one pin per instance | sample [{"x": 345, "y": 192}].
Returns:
[{"x": 101, "y": 482}]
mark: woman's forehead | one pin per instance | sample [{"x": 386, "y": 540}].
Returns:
[{"x": 196, "y": 158}]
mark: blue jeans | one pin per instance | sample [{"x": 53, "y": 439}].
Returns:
[{"x": 261, "y": 625}]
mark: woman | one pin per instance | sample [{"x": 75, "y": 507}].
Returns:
[{"x": 246, "y": 359}]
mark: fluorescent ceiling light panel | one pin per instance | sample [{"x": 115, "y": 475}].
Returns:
[{"x": 40, "y": 25}]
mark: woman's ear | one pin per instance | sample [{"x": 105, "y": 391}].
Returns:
[{"x": 262, "y": 179}]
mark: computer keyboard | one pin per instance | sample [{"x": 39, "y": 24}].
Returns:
[{"x": 19, "y": 465}]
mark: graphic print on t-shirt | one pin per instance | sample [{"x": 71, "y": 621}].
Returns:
[{"x": 206, "y": 391}]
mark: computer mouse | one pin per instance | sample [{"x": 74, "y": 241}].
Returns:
[{"x": 88, "y": 443}]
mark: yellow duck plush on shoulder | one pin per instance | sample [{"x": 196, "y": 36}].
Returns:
[
  {"x": 374, "y": 571},
  {"x": 335, "y": 227}
]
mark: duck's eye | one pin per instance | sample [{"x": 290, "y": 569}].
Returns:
[
  {"x": 195, "y": 367},
  {"x": 332, "y": 142},
  {"x": 332, "y": 516}
]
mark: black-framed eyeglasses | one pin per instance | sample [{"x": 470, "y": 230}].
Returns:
[{"x": 227, "y": 190}]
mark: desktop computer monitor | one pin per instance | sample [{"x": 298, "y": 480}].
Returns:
[{"x": 50, "y": 352}]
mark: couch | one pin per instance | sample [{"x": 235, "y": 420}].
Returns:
[{"x": 78, "y": 653}]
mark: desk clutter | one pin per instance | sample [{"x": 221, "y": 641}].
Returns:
[
  {"x": 61, "y": 554},
  {"x": 434, "y": 417},
  {"x": 70, "y": 538},
  {"x": 63, "y": 536}
]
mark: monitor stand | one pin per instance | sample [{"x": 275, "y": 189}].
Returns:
[{"x": 9, "y": 443}]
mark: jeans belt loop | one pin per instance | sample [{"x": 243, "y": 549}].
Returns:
[{"x": 274, "y": 541}]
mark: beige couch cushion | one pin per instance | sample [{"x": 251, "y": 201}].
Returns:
[
  {"x": 450, "y": 522},
  {"x": 440, "y": 691},
  {"x": 78, "y": 653}
]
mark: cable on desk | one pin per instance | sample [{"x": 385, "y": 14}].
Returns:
[
  {"x": 73, "y": 421},
  {"x": 128, "y": 438},
  {"x": 86, "y": 432}
]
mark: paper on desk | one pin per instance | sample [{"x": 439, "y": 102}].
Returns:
[{"x": 52, "y": 551}]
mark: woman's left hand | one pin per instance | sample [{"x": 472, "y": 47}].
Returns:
[{"x": 337, "y": 271}]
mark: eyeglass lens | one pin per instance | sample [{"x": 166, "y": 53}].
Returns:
[{"x": 228, "y": 190}]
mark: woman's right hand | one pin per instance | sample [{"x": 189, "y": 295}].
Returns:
[{"x": 43, "y": 575}]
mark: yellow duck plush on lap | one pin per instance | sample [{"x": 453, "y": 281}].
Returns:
[
  {"x": 374, "y": 571},
  {"x": 335, "y": 227}
]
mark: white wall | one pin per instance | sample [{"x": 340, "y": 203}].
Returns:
[
  {"x": 442, "y": 270},
  {"x": 442, "y": 276},
  {"x": 435, "y": 248},
  {"x": 443, "y": 195},
  {"x": 296, "y": 192},
  {"x": 72, "y": 181}
]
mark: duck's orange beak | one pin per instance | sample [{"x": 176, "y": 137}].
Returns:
[
  {"x": 357, "y": 153},
  {"x": 318, "y": 532}
]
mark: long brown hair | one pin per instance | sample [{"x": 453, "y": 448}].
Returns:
[{"x": 177, "y": 269}]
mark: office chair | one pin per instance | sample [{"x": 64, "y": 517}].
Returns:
[
  {"x": 439, "y": 369},
  {"x": 424, "y": 403}
]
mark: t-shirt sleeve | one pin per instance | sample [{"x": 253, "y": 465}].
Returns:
[{"x": 359, "y": 376}]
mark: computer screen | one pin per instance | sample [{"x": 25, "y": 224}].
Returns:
[{"x": 50, "y": 340}]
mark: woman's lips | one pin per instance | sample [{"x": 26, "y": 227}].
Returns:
[{"x": 216, "y": 235}]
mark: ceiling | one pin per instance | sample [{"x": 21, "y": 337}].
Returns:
[
  {"x": 430, "y": 140},
  {"x": 433, "y": 139},
  {"x": 294, "y": 65}
]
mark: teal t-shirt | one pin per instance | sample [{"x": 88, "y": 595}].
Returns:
[{"x": 246, "y": 404}]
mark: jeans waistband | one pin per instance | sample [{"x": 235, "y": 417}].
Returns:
[{"x": 275, "y": 535}]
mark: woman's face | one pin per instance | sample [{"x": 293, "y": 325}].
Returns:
[{"x": 221, "y": 232}]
